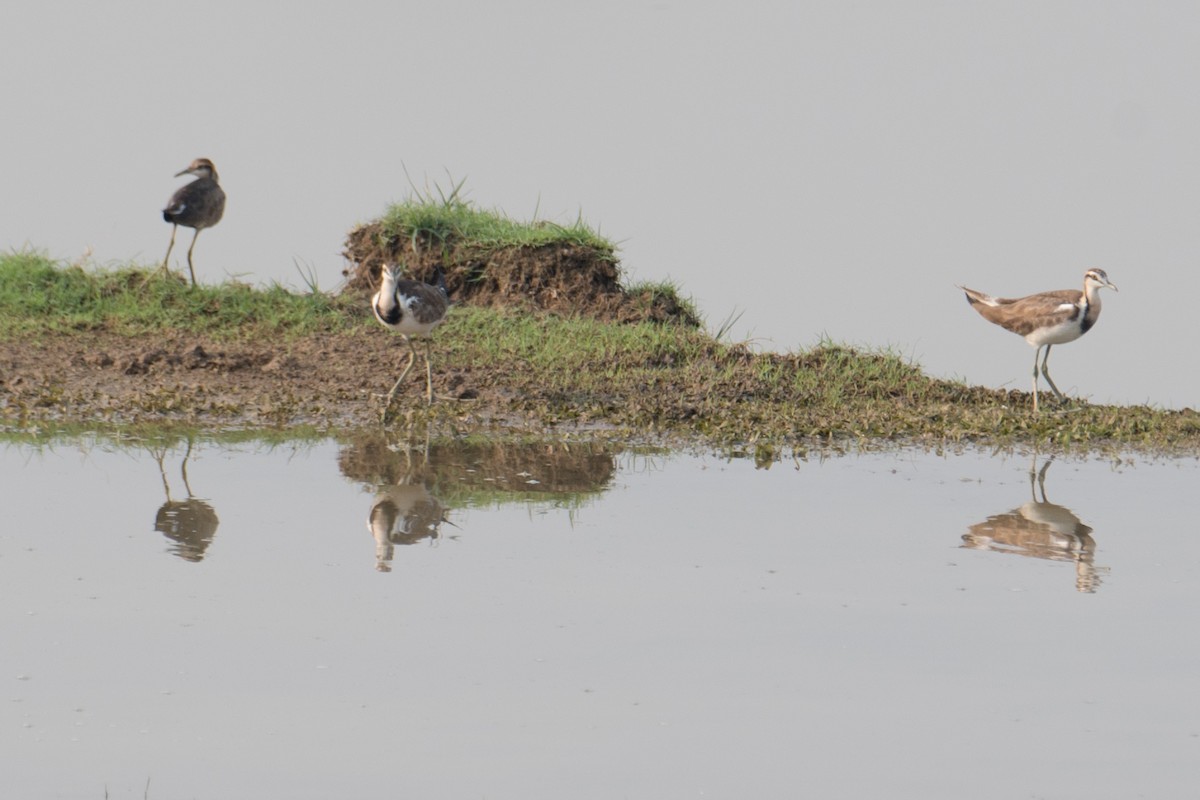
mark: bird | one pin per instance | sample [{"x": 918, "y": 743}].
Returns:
[
  {"x": 1046, "y": 319},
  {"x": 197, "y": 205},
  {"x": 410, "y": 308}
]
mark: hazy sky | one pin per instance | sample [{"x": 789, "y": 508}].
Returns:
[{"x": 824, "y": 168}]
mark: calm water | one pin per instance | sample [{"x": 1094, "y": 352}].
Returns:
[{"x": 367, "y": 620}]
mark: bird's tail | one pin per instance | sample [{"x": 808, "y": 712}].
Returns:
[
  {"x": 440, "y": 277},
  {"x": 975, "y": 298}
]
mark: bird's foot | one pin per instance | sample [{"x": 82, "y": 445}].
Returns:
[
  {"x": 1069, "y": 405},
  {"x": 162, "y": 272},
  {"x": 387, "y": 407}
]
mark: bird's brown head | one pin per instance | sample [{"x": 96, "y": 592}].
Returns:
[{"x": 201, "y": 168}]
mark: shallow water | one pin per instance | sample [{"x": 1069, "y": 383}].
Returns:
[{"x": 548, "y": 620}]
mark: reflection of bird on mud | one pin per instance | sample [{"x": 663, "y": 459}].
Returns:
[
  {"x": 1041, "y": 529},
  {"x": 190, "y": 523}
]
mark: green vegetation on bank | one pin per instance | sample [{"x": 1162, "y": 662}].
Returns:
[
  {"x": 543, "y": 369},
  {"x": 37, "y": 294},
  {"x": 664, "y": 379},
  {"x": 447, "y": 218}
]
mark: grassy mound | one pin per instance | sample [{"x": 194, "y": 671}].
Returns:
[{"x": 491, "y": 260}]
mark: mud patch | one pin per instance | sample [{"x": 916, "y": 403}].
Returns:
[{"x": 328, "y": 380}]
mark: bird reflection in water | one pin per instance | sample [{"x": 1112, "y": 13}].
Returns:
[
  {"x": 1041, "y": 529},
  {"x": 404, "y": 513},
  {"x": 192, "y": 523}
]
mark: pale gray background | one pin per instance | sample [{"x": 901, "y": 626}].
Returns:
[{"x": 829, "y": 168}]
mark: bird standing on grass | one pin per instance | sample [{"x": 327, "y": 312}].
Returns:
[
  {"x": 410, "y": 308},
  {"x": 197, "y": 205},
  {"x": 1046, "y": 319}
]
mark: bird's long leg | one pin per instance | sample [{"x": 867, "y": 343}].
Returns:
[
  {"x": 1041, "y": 479},
  {"x": 412, "y": 357},
  {"x": 190, "y": 249},
  {"x": 170, "y": 247},
  {"x": 428, "y": 375},
  {"x": 1035, "y": 378},
  {"x": 1046, "y": 373},
  {"x": 163, "y": 471},
  {"x": 183, "y": 469}
]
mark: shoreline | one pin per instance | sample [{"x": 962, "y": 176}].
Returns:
[{"x": 336, "y": 380}]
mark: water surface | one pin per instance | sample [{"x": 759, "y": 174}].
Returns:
[{"x": 365, "y": 619}]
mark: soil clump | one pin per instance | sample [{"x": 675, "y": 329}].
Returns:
[{"x": 564, "y": 278}]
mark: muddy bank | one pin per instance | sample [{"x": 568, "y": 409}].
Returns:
[
  {"x": 562, "y": 277},
  {"x": 327, "y": 380}
]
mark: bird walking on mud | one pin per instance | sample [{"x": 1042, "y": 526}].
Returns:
[
  {"x": 197, "y": 205},
  {"x": 1046, "y": 319},
  {"x": 410, "y": 308}
]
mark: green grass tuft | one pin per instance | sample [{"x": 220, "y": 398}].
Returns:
[
  {"x": 447, "y": 219},
  {"x": 665, "y": 294}
]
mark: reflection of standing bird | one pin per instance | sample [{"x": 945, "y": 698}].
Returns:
[
  {"x": 1040, "y": 529},
  {"x": 190, "y": 523},
  {"x": 197, "y": 205},
  {"x": 403, "y": 514},
  {"x": 410, "y": 308},
  {"x": 1046, "y": 319}
]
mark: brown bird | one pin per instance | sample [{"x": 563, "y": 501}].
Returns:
[
  {"x": 197, "y": 205},
  {"x": 1046, "y": 319},
  {"x": 410, "y": 308}
]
